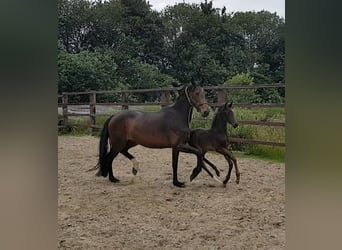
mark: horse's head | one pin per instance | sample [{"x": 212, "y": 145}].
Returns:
[
  {"x": 196, "y": 97},
  {"x": 229, "y": 115}
]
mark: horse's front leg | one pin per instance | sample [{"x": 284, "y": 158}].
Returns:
[
  {"x": 185, "y": 148},
  {"x": 175, "y": 154}
]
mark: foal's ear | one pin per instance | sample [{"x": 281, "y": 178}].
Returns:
[{"x": 226, "y": 105}]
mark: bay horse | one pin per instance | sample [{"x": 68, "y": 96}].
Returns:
[
  {"x": 216, "y": 139},
  {"x": 167, "y": 128}
]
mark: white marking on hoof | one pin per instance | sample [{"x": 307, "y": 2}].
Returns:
[{"x": 216, "y": 179}]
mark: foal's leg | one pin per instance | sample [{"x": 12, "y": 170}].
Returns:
[
  {"x": 237, "y": 172},
  {"x": 230, "y": 158},
  {"x": 230, "y": 163},
  {"x": 211, "y": 165},
  {"x": 189, "y": 149},
  {"x": 210, "y": 174},
  {"x": 206, "y": 169}
]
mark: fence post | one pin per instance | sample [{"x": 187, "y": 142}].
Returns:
[
  {"x": 165, "y": 98},
  {"x": 92, "y": 109},
  {"x": 221, "y": 96},
  {"x": 65, "y": 109},
  {"x": 124, "y": 100}
]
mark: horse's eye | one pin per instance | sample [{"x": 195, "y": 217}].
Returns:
[{"x": 197, "y": 93}]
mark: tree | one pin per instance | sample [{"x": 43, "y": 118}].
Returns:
[
  {"x": 86, "y": 71},
  {"x": 245, "y": 95},
  {"x": 125, "y": 44},
  {"x": 264, "y": 35},
  {"x": 73, "y": 23}
]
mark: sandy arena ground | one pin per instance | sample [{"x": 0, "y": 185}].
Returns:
[{"x": 148, "y": 212}]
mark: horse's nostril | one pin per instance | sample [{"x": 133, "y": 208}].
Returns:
[{"x": 206, "y": 113}]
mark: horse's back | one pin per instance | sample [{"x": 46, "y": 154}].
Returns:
[{"x": 150, "y": 129}]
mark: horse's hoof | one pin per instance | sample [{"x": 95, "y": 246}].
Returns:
[
  {"x": 237, "y": 181},
  {"x": 179, "y": 184},
  {"x": 114, "y": 180},
  {"x": 218, "y": 174}
]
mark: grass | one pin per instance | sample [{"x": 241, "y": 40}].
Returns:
[
  {"x": 276, "y": 154},
  {"x": 79, "y": 126}
]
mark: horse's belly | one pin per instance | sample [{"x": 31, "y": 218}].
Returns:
[{"x": 151, "y": 139}]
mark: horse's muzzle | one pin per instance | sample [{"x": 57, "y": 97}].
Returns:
[
  {"x": 235, "y": 125},
  {"x": 204, "y": 109}
]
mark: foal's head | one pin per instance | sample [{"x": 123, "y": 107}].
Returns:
[
  {"x": 196, "y": 97},
  {"x": 228, "y": 114}
]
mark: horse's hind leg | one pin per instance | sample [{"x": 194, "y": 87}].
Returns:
[
  {"x": 110, "y": 158},
  {"x": 129, "y": 145},
  {"x": 135, "y": 167}
]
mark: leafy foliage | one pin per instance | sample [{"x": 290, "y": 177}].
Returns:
[
  {"x": 86, "y": 71},
  {"x": 242, "y": 96},
  {"x": 125, "y": 44}
]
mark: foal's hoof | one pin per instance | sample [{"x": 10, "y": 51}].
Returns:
[
  {"x": 237, "y": 179},
  {"x": 179, "y": 184},
  {"x": 193, "y": 176},
  {"x": 134, "y": 171}
]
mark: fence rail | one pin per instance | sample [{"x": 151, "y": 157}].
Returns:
[{"x": 165, "y": 100}]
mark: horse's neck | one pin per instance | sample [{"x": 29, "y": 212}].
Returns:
[
  {"x": 219, "y": 125},
  {"x": 183, "y": 107}
]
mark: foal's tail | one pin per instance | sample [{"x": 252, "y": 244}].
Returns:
[{"x": 103, "y": 152}]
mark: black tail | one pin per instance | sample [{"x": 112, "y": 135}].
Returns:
[{"x": 104, "y": 150}]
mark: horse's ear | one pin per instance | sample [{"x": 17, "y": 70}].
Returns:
[
  {"x": 193, "y": 83},
  {"x": 230, "y": 105},
  {"x": 180, "y": 90},
  {"x": 201, "y": 83}
]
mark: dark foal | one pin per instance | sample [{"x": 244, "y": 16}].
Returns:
[
  {"x": 216, "y": 139},
  {"x": 168, "y": 128}
]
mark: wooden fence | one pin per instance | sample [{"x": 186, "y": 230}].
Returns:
[{"x": 165, "y": 99}]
